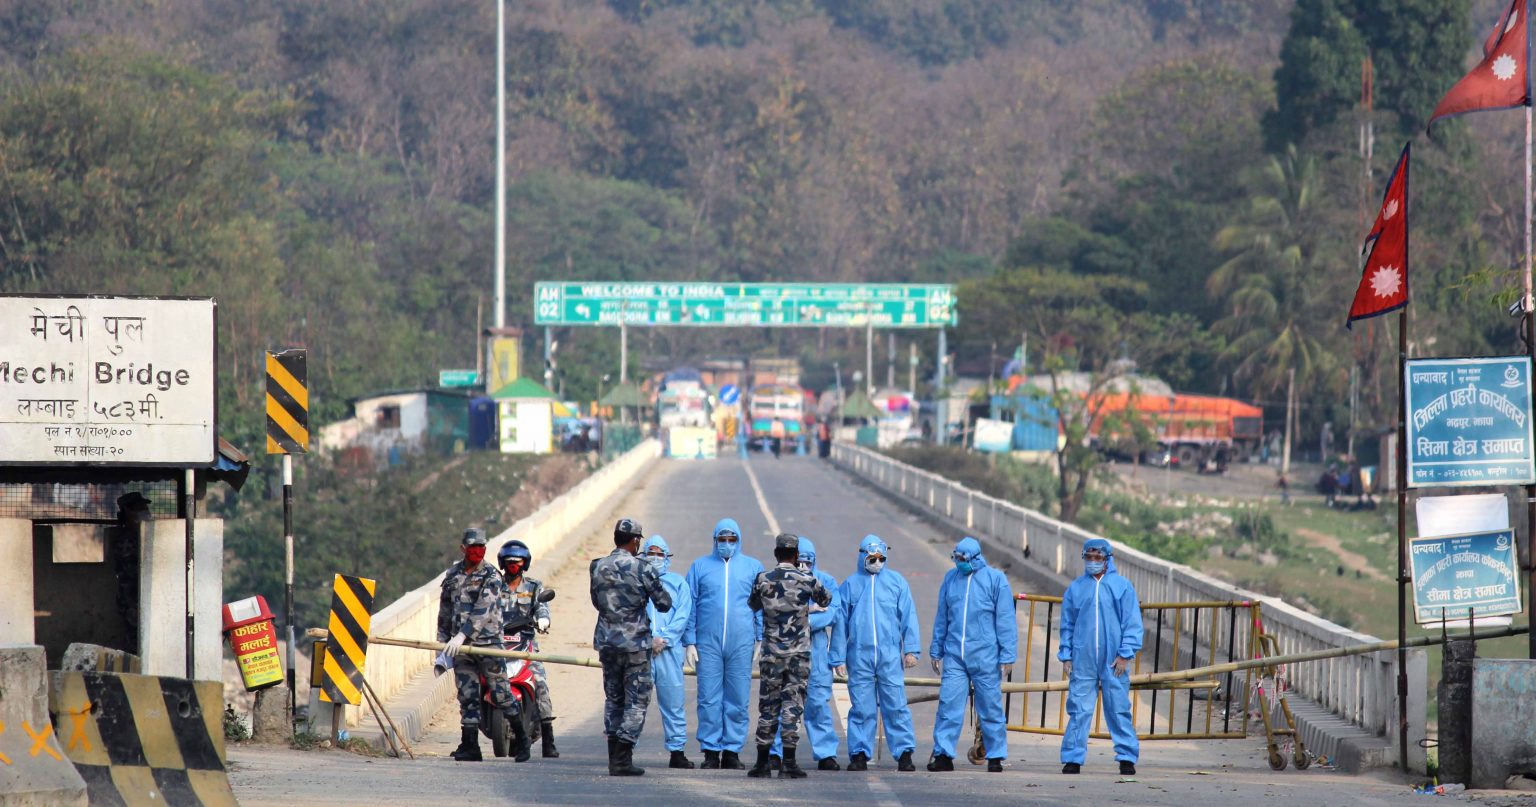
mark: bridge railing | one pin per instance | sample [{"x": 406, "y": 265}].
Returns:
[{"x": 1360, "y": 689}]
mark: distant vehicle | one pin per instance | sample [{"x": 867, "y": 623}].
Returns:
[
  {"x": 683, "y": 400},
  {"x": 767, "y": 403},
  {"x": 1196, "y": 430}
]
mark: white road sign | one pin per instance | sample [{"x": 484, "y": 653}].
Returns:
[{"x": 106, "y": 381}]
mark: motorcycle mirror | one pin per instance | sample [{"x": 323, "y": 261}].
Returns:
[{"x": 546, "y": 595}]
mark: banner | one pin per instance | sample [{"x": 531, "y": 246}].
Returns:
[
  {"x": 504, "y": 363},
  {"x": 1469, "y": 422}
]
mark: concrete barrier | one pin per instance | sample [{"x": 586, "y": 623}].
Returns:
[
  {"x": 33, "y": 767},
  {"x": 1357, "y": 694},
  {"x": 402, "y": 677}
]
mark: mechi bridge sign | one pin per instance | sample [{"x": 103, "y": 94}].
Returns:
[{"x": 806, "y": 305}]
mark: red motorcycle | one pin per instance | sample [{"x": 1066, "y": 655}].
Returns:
[{"x": 518, "y": 635}]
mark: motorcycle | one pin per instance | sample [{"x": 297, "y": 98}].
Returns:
[{"x": 518, "y": 636}]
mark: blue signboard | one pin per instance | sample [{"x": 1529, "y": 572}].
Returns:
[
  {"x": 1469, "y": 422},
  {"x": 730, "y": 394},
  {"x": 1453, "y": 574}
]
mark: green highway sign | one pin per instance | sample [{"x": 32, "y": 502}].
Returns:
[
  {"x": 458, "y": 378},
  {"x": 805, "y": 305}
]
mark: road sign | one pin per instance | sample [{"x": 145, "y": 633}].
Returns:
[
  {"x": 804, "y": 305},
  {"x": 730, "y": 394},
  {"x": 106, "y": 380},
  {"x": 287, "y": 402},
  {"x": 351, "y": 611},
  {"x": 1457, "y": 574},
  {"x": 1469, "y": 422},
  {"x": 458, "y": 378}
]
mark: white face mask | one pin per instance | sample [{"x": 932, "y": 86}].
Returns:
[
  {"x": 874, "y": 565},
  {"x": 804, "y": 566}
]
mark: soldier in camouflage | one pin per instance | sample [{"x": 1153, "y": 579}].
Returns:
[
  {"x": 469, "y": 612},
  {"x": 522, "y": 607},
  {"x": 784, "y": 595},
  {"x": 622, "y": 584}
]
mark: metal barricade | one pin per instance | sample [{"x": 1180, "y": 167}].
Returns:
[{"x": 1178, "y": 636}]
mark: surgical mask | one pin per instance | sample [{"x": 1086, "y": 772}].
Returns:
[
  {"x": 726, "y": 549},
  {"x": 804, "y": 566},
  {"x": 473, "y": 555},
  {"x": 1094, "y": 568},
  {"x": 658, "y": 562},
  {"x": 874, "y": 565},
  {"x": 965, "y": 566}
]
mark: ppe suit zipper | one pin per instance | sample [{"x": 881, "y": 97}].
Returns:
[
  {"x": 1098, "y": 635},
  {"x": 725, "y": 622},
  {"x": 874, "y": 628},
  {"x": 965, "y": 611}
]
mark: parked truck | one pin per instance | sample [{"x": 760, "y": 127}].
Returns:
[{"x": 1197, "y": 430}]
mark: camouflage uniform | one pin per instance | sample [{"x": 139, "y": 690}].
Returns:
[
  {"x": 522, "y": 604},
  {"x": 784, "y": 594},
  {"x": 471, "y": 605},
  {"x": 621, "y": 586}
]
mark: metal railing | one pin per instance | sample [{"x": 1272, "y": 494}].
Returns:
[{"x": 1360, "y": 689}]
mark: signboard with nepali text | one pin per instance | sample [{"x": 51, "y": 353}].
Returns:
[
  {"x": 703, "y": 304},
  {"x": 106, "y": 380},
  {"x": 1457, "y": 576},
  {"x": 1469, "y": 422}
]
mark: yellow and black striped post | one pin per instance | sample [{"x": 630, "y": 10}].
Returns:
[
  {"x": 351, "y": 611},
  {"x": 287, "y": 402}
]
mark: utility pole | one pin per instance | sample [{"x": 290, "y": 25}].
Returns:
[
  {"x": 890, "y": 364},
  {"x": 499, "y": 315},
  {"x": 1354, "y": 402},
  {"x": 869, "y": 356},
  {"x": 912, "y": 368}
]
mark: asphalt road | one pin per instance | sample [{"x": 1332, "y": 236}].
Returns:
[{"x": 682, "y": 500}]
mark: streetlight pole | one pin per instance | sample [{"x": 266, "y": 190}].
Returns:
[{"x": 500, "y": 313}]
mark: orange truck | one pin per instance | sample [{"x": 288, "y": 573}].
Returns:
[{"x": 1195, "y": 429}]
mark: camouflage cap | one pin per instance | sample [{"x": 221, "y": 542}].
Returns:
[
  {"x": 786, "y": 540},
  {"x": 628, "y": 528},
  {"x": 474, "y": 536}
]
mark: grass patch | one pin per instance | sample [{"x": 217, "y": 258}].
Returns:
[{"x": 306, "y": 741}]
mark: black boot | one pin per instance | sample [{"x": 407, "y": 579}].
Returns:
[
  {"x": 858, "y": 762},
  {"x": 519, "y": 739},
  {"x": 761, "y": 769},
  {"x": 469, "y": 746},
  {"x": 547, "y": 730},
  {"x": 680, "y": 760},
  {"x": 613, "y": 756},
  {"x": 941, "y": 762},
  {"x": 711, "y": 760},
  {"x": 790, "y": 770},
  {"x": 828, "y": 764},
  {"x": 995, "y": 765},
  {"x": 624, "y": 761},
  {"x": 904, "y": 762},
  {"x": 1127, "y": 768},
  {"x": 729, "y": 761}
]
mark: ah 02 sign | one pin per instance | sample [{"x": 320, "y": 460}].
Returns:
[{"x": 107, "y": 380}]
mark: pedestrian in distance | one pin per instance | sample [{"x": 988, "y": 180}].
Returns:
[
  {"x": 522, "y": 606},
  {"x": 881, "y": 641},
  {"x": 826, "y": 631},
  {"x": 1101, "y": 633},
  {"x": 721, "y": 636},
  {"x": 784, "y": 595},
  {"x": 469, "y": 612},
  {"x": 975, "y": 643},
  {"x": 622, "y": 586},
  {"x": 667, "y": 651}
]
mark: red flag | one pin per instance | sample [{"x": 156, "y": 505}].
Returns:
[
  {"x": 1502, "y": 79},
  {"x": 1384, "y": 284}
]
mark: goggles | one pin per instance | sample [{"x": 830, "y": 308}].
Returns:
[
  {"x": 727, "y": 538},
  {"x": 875, "y": 556},
  {"x": 961, "y": 556},
  {"x": 1095, "y": 554},
  {"x": 657, "y": 552}
]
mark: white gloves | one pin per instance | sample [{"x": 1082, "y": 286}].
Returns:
[
  {"x": 757, "y": 652},
  {"x": 841, "y": 670},
  {"x": 909, "y": 660},
  {"x": 1121, "y": 664},
  {"x": 1005, "y": 670},
  {"x": 938, "y": 666},
  {"x": 1066, "y": 669},
  {"x": 543, "y": 624},
  {"x": 691, "y": 656},
  {"x": 451, "y": 650},
  {"x": 443, "y": 663}
]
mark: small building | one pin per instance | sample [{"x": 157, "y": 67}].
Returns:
[
  {"x": 434, "y": 420},
  {"x": 525, "y": 417}
]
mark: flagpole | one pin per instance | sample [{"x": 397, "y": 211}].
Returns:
[
  {"x": 1529, "y": 313},
  {"x": 1402, "y": 539}
]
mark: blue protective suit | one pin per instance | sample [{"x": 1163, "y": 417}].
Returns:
[
  {"x": 667, "y": 666},
  {"x": 975, "y": 631},
  {"x": 826, "y": 627},
  {"x": 726, "y": 633},
  {"x": 1100, "y": 621},
  {"x": 880, "y": 625}
]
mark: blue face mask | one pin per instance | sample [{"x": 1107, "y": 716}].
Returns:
[
  {"x": 724, "y": 550},
  {"x": 1094, "y": 568},
  {"x": 965, "y": 567}
]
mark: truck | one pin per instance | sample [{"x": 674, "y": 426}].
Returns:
[
  {"x": 1195, "y": 429},
  {"x": 768, "y": 403},
  {"x": 682, "y": 400}
]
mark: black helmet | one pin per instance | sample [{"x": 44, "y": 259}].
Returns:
[
  {"x": 628, "y": 529},
  {"x": 514, "y": 549}
]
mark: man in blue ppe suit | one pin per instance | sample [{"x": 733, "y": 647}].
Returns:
[
  {"x": 667, "y": 650},
  {"x": 721, "y": 637},
  {"x": 1100, "y": 633},
  {"x": 826, "y": 628},
  {"x": 880, "y": 624},
  {"x": 975, "y": 642}
]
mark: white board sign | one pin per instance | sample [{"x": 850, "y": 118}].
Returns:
[
  {"x": 106, "y": 381},
  {"x": 1459, "y": 515}
]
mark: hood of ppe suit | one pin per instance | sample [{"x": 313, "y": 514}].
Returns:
[
  {"x": 1103, "y": 546},
  {"x": 808, "y": 549},
  {"x": 970, "y": 546},
  {"x": 657, "y": 540},
  {"x": 726, "y": 525},
  {"x": 872, "y": 543}
]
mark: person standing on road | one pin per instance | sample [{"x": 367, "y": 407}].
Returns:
[
  {"x": 622, "y": 585},
  {"x": 826, "y": 630},
  {"x": 881, "y": 639},
  {"x": 720, "y": 637},
  {"x": 784, "y": 595},
  {"x": 1101, "y": 633},
  {"x": 522, "y": 606},
  {"x": 667, "y": 650},
  {"x": 469, "y": 612},
  {"x": 975, "y": 643}
]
